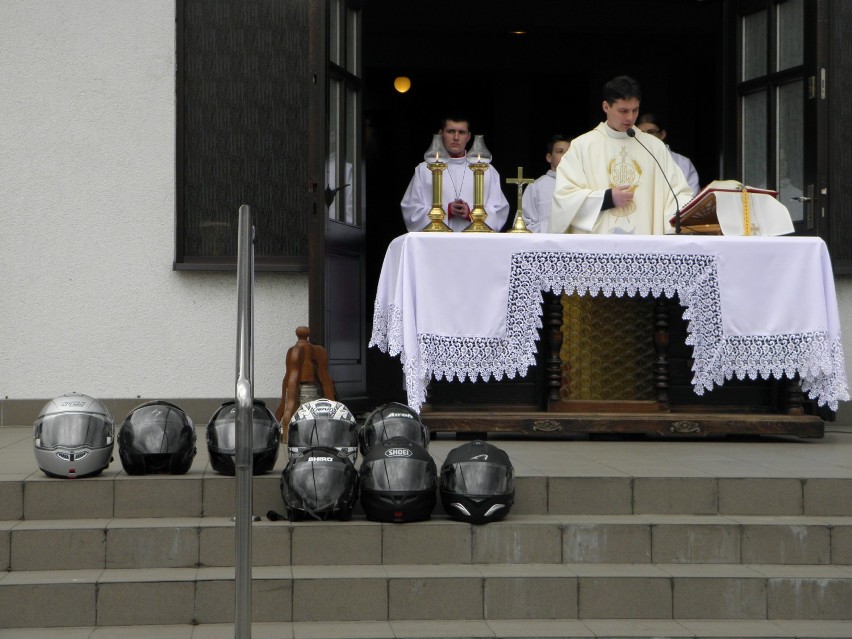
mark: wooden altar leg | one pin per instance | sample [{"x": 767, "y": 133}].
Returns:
[
  {"x": 661, "y": 346},
  {"x": 553, "y": 328},
  {"x": 793, "y": 397}
]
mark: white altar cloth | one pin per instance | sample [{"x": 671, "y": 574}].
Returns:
[{"x": 469, "y": 305}]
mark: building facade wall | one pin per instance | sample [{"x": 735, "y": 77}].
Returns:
[
  {"x": 88, "y": 298},
  {"x": 90, "y": 302}
]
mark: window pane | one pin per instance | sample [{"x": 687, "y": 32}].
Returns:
[
  {"x": 791, "y": 126},
  {"x": 754, "y": 45},
  {"x": 335, "y": 150},
  {"x": 791, "y": 46},
  {"x": 754, "y": 139},
  {"x": 335, "y": 32},
  {"x": 353, "y": 135},
  {"x": 243, "y": 84},
  {"x": 353, "y": 57}
]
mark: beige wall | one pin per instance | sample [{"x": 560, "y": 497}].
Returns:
[{"x": 90, "y": 302}]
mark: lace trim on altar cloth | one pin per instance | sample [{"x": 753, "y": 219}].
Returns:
[{"x": 693, "y": 278}]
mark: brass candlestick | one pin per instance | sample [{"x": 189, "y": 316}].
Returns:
[
  {"x": 436, "y": 161},
  {"x": 436, "y": 213},
  {"x": 479, "y": 158},
  {"x": 520, "y": 225}
]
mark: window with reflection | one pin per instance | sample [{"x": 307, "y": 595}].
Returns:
[
  {"x": 343, "y": 166},
  {"x": 772, "y": 99}
]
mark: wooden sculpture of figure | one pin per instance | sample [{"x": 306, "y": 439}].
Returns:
[{"x": 306, "y": 376}]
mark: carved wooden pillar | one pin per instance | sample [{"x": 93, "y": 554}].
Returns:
[
  {"x": 792, "y": 395},
  {"x": 661, "y": 346},
  {"x": 553, "y": 332}
]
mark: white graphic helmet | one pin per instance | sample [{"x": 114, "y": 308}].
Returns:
[{"x": 323, "y": 422}]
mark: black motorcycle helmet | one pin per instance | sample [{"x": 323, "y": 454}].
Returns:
[
  {"x": 321, "y": 483},
  {"x": 398, "y": 481},
  {"x": 391, "y": 420},
  {"x": 323, "y": 422},
  {"x": 477, "y": 483},
  {"x": 222, "y": 438},
  {"x": 156, "y": 437}
]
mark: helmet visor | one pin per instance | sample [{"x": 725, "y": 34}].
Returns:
[
  {"x": 323, "y": 431},
  {"x": 70, "y": 430},
  {"x": 222, "y": 435},
  {"x": 319, "y": 485},
  {"x": 403, "y": 474},
  {"x": 477, "y": 478},
  {"x": 400, "y": 427}
]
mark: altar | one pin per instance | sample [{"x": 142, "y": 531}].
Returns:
[{"x": 470, "y": 307}]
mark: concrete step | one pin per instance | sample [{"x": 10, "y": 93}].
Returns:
[
  {"x": 455, "y": 629},
  {"x": 82, "y": 544},
  {"x": 207, "y": 494},
  {"x": 116, "y": 597}
]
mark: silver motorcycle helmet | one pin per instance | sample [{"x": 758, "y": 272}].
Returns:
[
  {"x": 73, "y": 436},
  {"x": 222, "y": 438},
  {"x": 323, "y": 422}
]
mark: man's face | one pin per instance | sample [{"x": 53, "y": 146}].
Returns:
[
  {"x": 652, "y": 129},
  {"x": 455, "y": 136},
  {"x": 621, "y": 114},
  {"x": 559, "y": 149}
]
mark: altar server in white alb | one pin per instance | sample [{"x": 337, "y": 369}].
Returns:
[
  {"x": 609, "y": 181},
  {"x": 457, "y": 185},
  {"x": 538, "y": 196},
  {"x": 652, "y": 124}
]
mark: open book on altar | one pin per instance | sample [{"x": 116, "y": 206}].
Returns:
[{"x": 727, "y": 207}]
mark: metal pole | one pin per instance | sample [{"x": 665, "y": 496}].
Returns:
[{"x": 245, "y": 403}]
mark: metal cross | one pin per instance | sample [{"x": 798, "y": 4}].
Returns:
[{"x": 520, "y": 181}]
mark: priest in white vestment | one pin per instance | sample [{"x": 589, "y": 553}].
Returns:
[
  {"x": 457, "y": 186},
  {"x": 609, "y": 182},
  {"x": 538, "y": 196}
]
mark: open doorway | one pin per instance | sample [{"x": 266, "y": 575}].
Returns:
[{"x": 523, "y": 72}]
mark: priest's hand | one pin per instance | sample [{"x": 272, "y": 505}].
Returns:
[
  {"x": 459, "y": 208},
  {"x": 621, "y": 196}
]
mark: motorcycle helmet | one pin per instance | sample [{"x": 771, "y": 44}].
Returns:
[
  {"x": 222, "y": 438},
  {"x": 323, "y": 422},
  {"x": 156, "y": 437},
  {"x": 398, "y": 481},
  {"x": 392, "y": 420},
  {"x": 477, "y": 483},
  {"x": 73, "y": 436},
  {"x": 319, "y": 482}
]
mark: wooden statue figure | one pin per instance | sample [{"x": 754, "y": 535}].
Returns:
[{"x": 306, "y": 376}]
